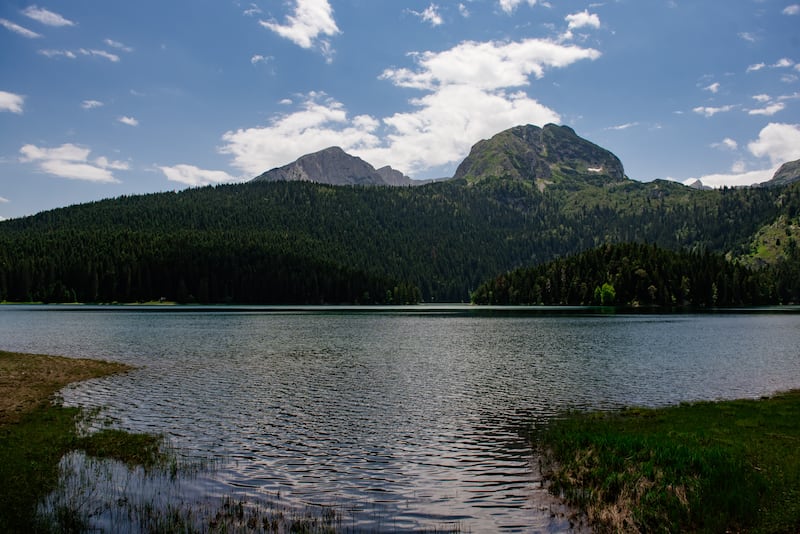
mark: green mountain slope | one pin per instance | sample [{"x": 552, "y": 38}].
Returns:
[{"x": 303, "y": 242}]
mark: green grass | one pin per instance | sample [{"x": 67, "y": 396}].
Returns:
[
  {"x": 703, "y": 467},
  {"x": 30, "y": 451}
]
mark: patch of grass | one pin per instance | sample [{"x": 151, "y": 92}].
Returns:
[
  {"x": 133, "y": 450},
  {"x": 35, "y": 434},
  {"x": 701, "y": 467}
]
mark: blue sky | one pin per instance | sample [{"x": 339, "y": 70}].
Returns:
[{"x": 101, "y": 99}]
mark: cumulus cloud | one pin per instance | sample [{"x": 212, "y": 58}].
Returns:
[
  {"x": 777, "y": 141},
  {"x": 130, "y": 121},
  {"x": 20, "y": 30},
  {"x": 468, "y": 92},
  {"x": 46, "y": 17},
  {"x": 582, "y": 19},
  {"x": 72, "y": 162},
  {"x": 11, "y": 102},
  {"x": 510, "y": 5},
  {"x": 713, "y": 88},
  {"x": 311, "y": 18},
  {"x": 320, "y": 122},
  {"x": 430, "y": 15},
  {"x": 756, "y": 67},
  {"x": 194, "y": 176},
  {"x": 793, "y": 9},
  {"x": 487, "y": 65}
]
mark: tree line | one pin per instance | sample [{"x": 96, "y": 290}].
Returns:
[
  {"x": 636, "y": 274},
  {"x": 299, "y": 242}
]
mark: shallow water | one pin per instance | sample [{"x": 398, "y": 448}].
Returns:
[{"x": 407, "y": 418}]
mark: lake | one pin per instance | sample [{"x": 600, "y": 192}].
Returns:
[{"x": 404, "y": 418}]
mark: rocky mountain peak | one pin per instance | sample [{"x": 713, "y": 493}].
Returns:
[
  {"x": 543, "y": 155},
  {"x": 334, "y": 166}
]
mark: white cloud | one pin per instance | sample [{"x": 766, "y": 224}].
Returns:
[
  {"x": 582, "y": 19},
  {"x": 320, "y": 123},
  {"x": 3, "y": 200},
  {"x": 625, "y": 126},
  {"x": 72, "y": 161},
  {"x": 727, "y": 143},
  {"x": 430, "y": 15},
  {"x": 258, "y": 58},
  {"x": 11, "y": 102},
  {"x": 463, "y": 11},
  {"x": 783, "y": 63},
  {"x": 762, "y": 98},
  {"x": 756, "y": 67},
  {"x": 58, "y": 53},
  {"x": 311, "y": 18},
  {"x": 100, "y": 53},
  {"x": 447, "y": 123},
  {"x": 768, "y": 111},
  {"x": 777, "y": 141},
  {"x": 118, "y": 45},
  {"x": 747, "y": 36},
  {"x": 711, "y": 111},
  {"x": 487, "y": 65},
  {"x": 510, "y": 5},
  {"x": 714, "y": 87},
  {"x": 130, "y": 121},
  {"x": 194, "y": 176},
  {"x": 793, "y": 9},
  {"x": 91, "y": 104},
  {"x": 468, "y": 94},
  {"x": 16, "y": 28},
  {"x": 46, "y": 17}
]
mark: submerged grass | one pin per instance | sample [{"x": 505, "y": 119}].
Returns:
[{"x": 702, "y": 467}]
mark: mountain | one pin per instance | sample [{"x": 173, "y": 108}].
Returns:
[
  {"x": 526, "y": 196},
  {"x": 544, "y": 156},
  {"x": 788, "y": 173},
  {"x": 334, "y": 166}
]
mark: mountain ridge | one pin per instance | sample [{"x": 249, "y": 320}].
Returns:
[
  {"x": 334, "y": 166},
  {"x": 527, "y": 195}
]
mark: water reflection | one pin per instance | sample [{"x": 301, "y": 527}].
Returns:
[{"x": 412, "y": 419}]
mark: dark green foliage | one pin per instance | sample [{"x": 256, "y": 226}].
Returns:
[
  {"x": 299, "y": 242},
  {"x": 632, "y": 274}
]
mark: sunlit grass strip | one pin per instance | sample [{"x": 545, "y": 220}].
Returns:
[{"x": 703, "y": 467}]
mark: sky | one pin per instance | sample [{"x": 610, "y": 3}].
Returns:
[{"x": 102, "y": 99}]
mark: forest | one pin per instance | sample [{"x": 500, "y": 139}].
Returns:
[
  {"x": 636, "y": 274},
  {"x": 307, "y": 243}
]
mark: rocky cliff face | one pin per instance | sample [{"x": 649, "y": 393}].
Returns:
[
  {"x": 787, "y": 173},
  {"x": 335, "y": 167},
  {"x": 543, "y": 155}
]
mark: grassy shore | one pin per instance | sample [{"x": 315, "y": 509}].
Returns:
[
  {"x": 729, "y": 466},
  {"x": 35, "y": 433}
]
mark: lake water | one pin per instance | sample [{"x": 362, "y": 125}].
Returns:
[{"x": 406, "y": 418}]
